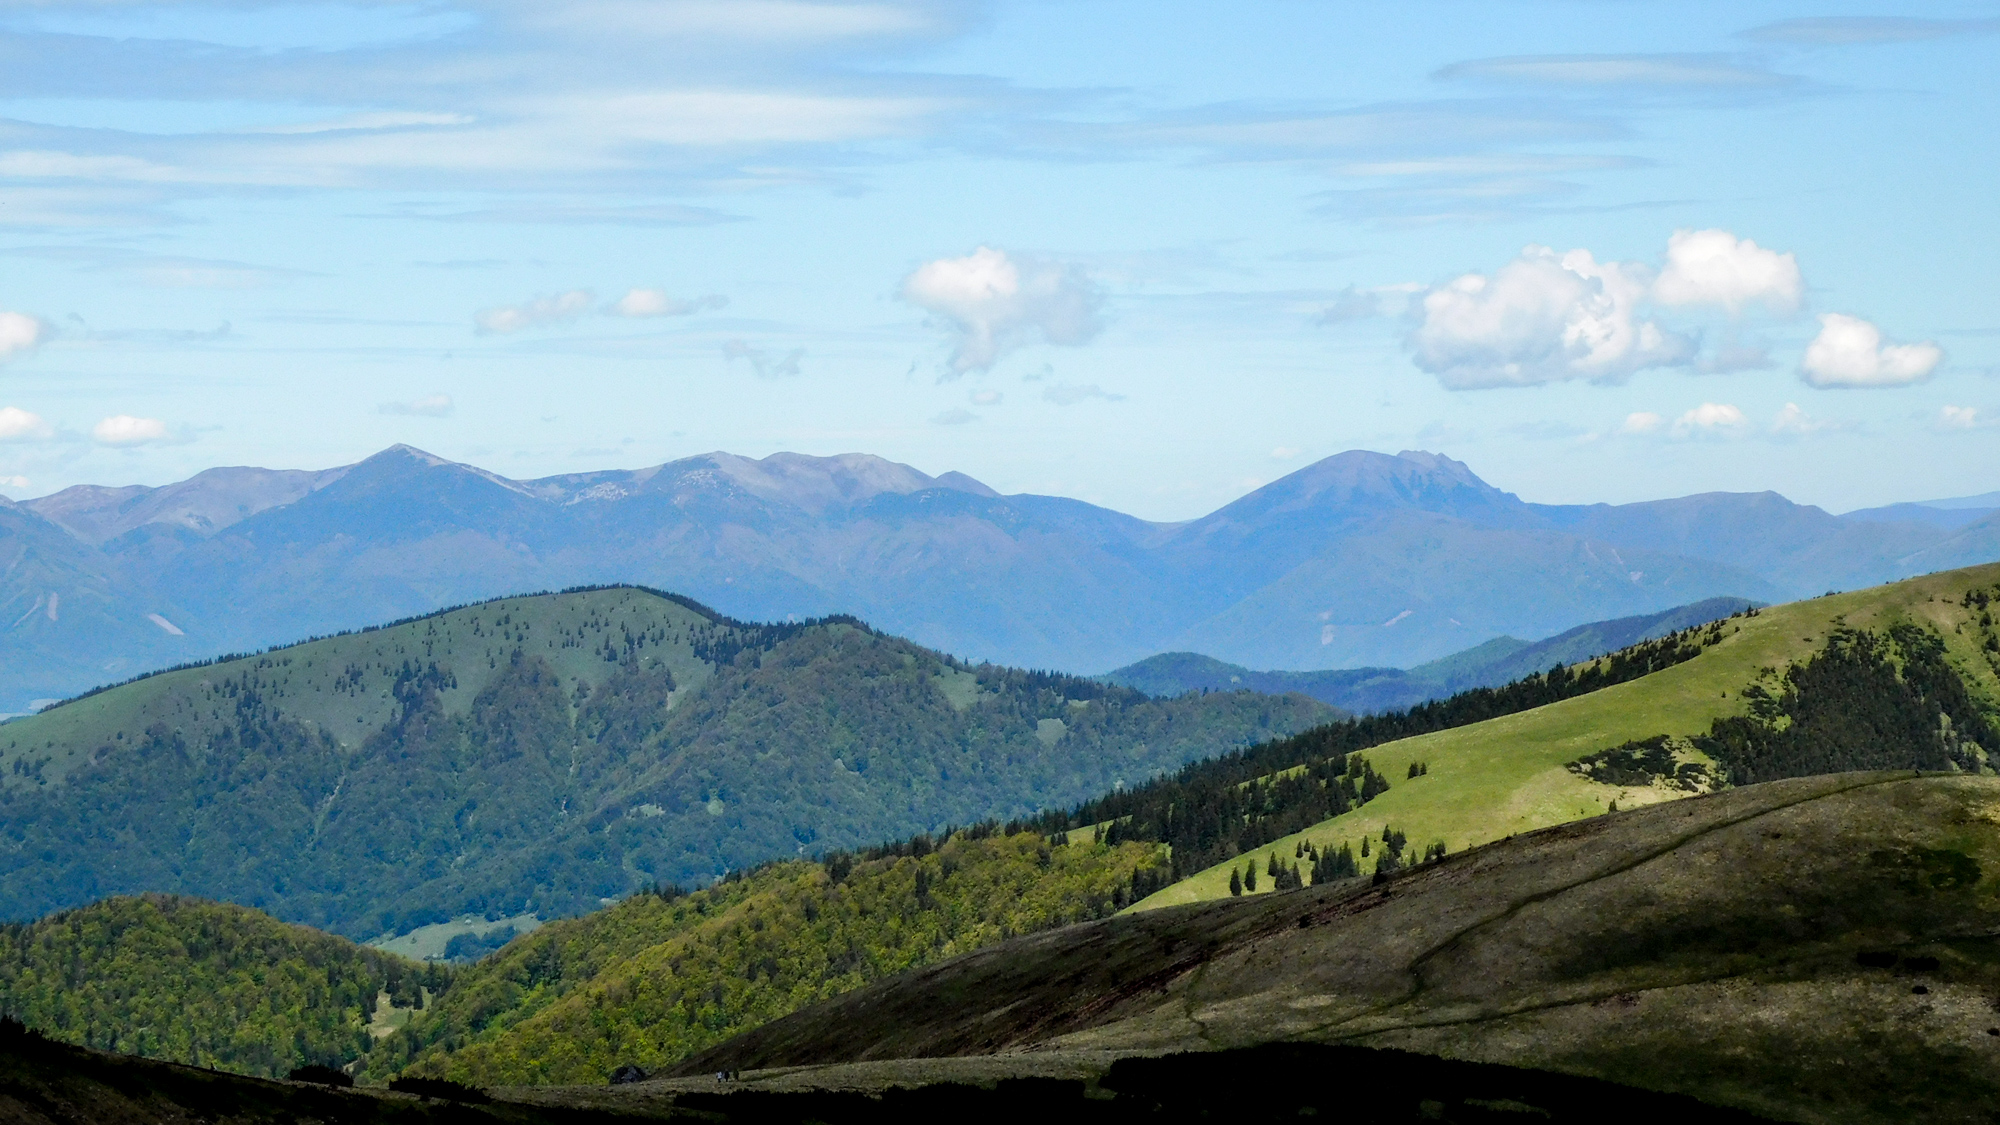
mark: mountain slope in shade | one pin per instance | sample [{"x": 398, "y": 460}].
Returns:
[{"x": 1360, "y": 559}]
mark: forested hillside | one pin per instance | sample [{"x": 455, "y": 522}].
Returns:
[
  {"x": 549, "y": 754},
  {"x": 202, "y": 983},
  {"x": 663, "y": 975}
]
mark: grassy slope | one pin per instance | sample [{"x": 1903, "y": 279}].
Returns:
[
  {"x": 1506, "y": 776},
  {"x": 1710, "y": 947}
]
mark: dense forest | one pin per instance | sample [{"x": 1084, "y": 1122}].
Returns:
[
  {"x": 1212, "y": 810},
  {"x": 665, "y": 974},
  {"x": 550, "y": 754},
  {"x": 202, "y": 983},
  {"x": 1866, "y": 700}
]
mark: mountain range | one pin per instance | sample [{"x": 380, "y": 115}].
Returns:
[{"x": 1360, "y": 559}]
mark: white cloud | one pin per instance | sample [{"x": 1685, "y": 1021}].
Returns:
[
  {"x": 18, "y": 333},
  {"x": 986, "y": 398},
  {"x": 502, "y": 319},
  {"x": 126, "y": 430},
  {"x": 1849, "y": 352},
  {"x": 1793, "y": 421},
  {"x": 1069, "y": 394},
  {"x": 1284, "y": 453},
  {"x": 17, "y": 424},
  {"x": 995, "y": 303},
  {"x": 14, "y": 482},
  {"x": 1710, "y": 418},
  {"x": 655, "y": 302},
  {"x": 1642, "y": 422},
  {"x": 765, "y": 364},
  {"x": 956, "y": 416},
  {"x": 1542, "y": 318},
  {"x": 1959, "y": 418},
  {"x": 429, "y": 406},
  {"x": 1714, "y": 267}
]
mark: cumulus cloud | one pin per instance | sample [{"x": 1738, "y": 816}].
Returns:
[
  {"x": 1959, "y": 418},
  {"x": 656, "y": 302},
  {"x": 18, "y": 333},
  {"x": 17, "y": 424},
  {"x": 124, "y": 430},
  {"x": 956, "y": 416},
  {"x": 1714, "y": 267},
  {"x": 14, "y": 482},
  {"x": 502, "y": 319},
  {"x": 1069, "y": 394},
  {"x": 1642, "y": 422},
  {"x": 1542, "y": 318},
  {"x": 1849, "y": 352},
  {"x": 766, "y": 364},
  {"x": 994, "y": 303},
  {"x": 1710, "y": 418},
  {"x": 429, "y": 406}
]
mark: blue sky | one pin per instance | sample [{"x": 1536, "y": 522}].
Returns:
[{"x": 1149, "y": 254}]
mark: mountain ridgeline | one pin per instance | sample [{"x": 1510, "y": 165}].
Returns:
[
  {"x": 549, "y": 754},
  {"x": 1362, "y": 559}
]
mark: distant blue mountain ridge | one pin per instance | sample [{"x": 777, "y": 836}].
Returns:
[
  {"x": 1501, "y": 660},
  {"x": 1360, "y": 560}
]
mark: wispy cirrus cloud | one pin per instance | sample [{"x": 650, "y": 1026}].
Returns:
[
  {"x": 1839, "y": 31},
  {"x": 1620, "y": 71}
]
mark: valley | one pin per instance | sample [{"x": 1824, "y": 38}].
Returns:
[{"x": 1083, "y": 923}]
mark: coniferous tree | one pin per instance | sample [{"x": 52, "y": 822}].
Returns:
[
  {"x": 1250, "y": 877},
  {"x": 1235, "y": 883}
]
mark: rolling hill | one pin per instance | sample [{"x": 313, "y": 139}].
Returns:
[
  {"x": 1816, "y": 949},
  {"x": 549, "y": 754},
  {"x": 1363, "y": 559},
  {"x": 202, "y": 983},
  {"x": 1518, "y": 772}
]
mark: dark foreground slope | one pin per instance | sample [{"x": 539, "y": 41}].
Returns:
[
  {"x": 1819, "y": 949},
  {"x": 43, "y": 1083},
  {"x": 551, "y": 753}
]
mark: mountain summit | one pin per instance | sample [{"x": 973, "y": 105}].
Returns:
[{"x": 1361, "y": 558}]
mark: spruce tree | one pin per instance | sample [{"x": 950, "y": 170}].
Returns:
[
  {"x": 1235, "y": 883},
  {"x": 1250, "y": 876}
]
